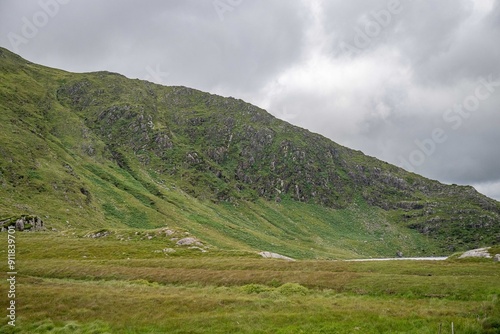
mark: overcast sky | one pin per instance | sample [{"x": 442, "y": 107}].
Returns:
[{"x": 414, "y": 83}]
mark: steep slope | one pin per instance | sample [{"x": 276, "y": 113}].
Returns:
[{"x": 100, "y": 150}]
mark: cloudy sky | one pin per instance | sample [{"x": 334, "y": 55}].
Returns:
[{"x": 414, "y": 83}]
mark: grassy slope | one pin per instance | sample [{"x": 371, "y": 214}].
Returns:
[
  {"x": 46, "y": 172},
  {"x": 80, "y": 168}
]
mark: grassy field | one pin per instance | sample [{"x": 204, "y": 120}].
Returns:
[{"x": 132, "y": 284}]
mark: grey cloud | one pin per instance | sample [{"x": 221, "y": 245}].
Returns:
[
  {"x": 466, "y": 155},
  {"x": 493, "y": 18},
  {"x": 424, "y": 32},
  {"x": 186, "y": 38}
]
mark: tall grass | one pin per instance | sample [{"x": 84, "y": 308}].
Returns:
[{"x": 71, "y": 284}]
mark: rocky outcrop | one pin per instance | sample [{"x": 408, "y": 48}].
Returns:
[{"x": 22, "y": 223}]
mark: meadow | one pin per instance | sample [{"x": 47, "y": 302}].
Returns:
[{"x": 70, "y": 283}]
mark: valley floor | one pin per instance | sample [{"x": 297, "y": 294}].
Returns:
[{"x": 67, "y": 284}]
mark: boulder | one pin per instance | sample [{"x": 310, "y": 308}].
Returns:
[
  {"x": 479, "y": 252},
  {"x": 20, "y": 224},
  {"x": 270, "y": 255},
  {"x": 496, "y": 258},
  {"x": 188, "y": 242}
]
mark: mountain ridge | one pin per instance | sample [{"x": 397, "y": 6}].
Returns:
[{"x": 152, "y": 147}]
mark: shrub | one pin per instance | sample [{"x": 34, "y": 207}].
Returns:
[
  {"x": 288, "y": 289},
  {"x": 255, "y": 288}
]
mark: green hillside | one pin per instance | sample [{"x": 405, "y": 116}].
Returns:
[{"x": 93, "y": 151}]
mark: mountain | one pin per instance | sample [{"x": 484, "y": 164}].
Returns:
[{"x": 98, "y": 150}]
